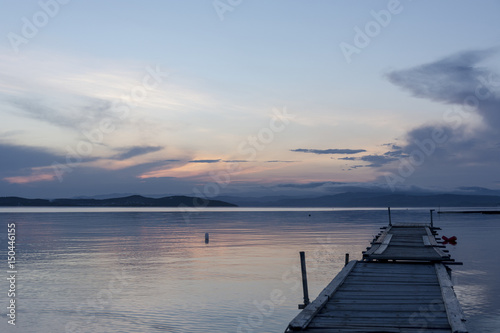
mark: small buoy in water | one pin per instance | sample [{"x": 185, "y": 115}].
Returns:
[
  {"x": 207, "y": 239},
  {"x": 309, "y": 215}
]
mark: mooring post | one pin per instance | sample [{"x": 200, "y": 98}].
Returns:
[
  {"x": 432, "y": 221},
  {"x": 389, "y": 211},
  {"x": 304, "y": 279},
  {"x": 207, "y": 238},
  {"x": 346, "y": 259}
]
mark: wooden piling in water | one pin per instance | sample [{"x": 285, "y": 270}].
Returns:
[
  {"x": 389, "y": 211},
  {"x": 304, "y": 280}
]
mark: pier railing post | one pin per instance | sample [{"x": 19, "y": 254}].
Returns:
[
  {"x": 389, "y": 211},
  {"x": 346, "y": 259},
  {"x": 304, "y": 280},
  {"x": 432, "y": 221}
]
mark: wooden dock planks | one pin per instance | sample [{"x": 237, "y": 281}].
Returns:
[
  {"x": 411, "y": 295},
  {"x": 382, "y": 297},
  {"x": 408, "y": 243}
]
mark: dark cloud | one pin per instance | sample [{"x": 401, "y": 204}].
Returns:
[
  {"x": 94, "y": 181},
  {"x": 24, "y": 161},
  {"x": 329, "y": 151},
  {"x": 310, "y": 185},
  {"x": 135, "y": 151},
  {"x": 397, "y": 152},
  {"x": 453, "y": 151},
  {"x": 377, "y": 160},
  {"x": 455, "y": 80},
  {"x": 205, "y": 161},
  {"x": 16, "y": 158},
  {"x": 85, "y": 180},
  {"x": 235, "y": 161},
  {"x": 392, "y": 146}
]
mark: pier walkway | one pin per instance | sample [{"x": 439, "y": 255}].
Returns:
[
  {"x": 410, "y": 242},
  {"x": 402, "y": 285}
]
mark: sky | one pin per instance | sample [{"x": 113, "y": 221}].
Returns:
[{"x": 239, "y": 97}]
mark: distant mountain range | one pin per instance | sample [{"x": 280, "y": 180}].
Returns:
[
  {"x": 129, "y": 201},
  {"x": 348, "y": 199},
  {"x": 370, "y": 199}
]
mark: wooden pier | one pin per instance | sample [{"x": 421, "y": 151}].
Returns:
[
  {"x": 402, "y": 284},
  {"x": 412, "y": 242}
]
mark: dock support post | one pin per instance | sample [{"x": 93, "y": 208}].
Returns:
[
  {"x": 207, "y": 238},
  {"x": 304, "y": 280},
  {"x": 389, "y": 211},
  {"x": 346, "y": 259},
  {"x": 432, "y": 221}
]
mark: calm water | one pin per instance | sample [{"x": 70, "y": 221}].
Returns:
[{"x": 126, "y": 271}]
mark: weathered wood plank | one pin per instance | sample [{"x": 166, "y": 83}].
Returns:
[
  {"x": 401, "y": 317},
  {"x": 381, "y": 293},
  {"x": 454, "y": 311},
  {"x": 382, "y": 305},
  {"x": 371, "y": 250},
  {"x": 376, "y": 321},
  {"x": 376, "y": 300},
  {"x": 411, "y": 225},
  {"x": 384, "y": 244},
  {"x": 367, "y": 329},
  {"x": 382, "y": 236},
  {"x": 306, "y": 315},
  {"x": 389, "y": 279},
  {"x": 395, "y": 267}
]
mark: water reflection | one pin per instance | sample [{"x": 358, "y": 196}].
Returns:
[{"x": 153, "y": 272}]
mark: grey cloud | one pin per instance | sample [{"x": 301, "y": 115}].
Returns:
[
  {"x": 395, "y": 153},
  {"x": 375, "y": 161},
  {"x": 456, "y": 145},
  {"x": 16, "y": 158},
  {"x": 392, "y": 146},
  {"x": 310, "y": 185},
  {"x": 94, "y": 181},
  {"x": 135, "y": 151},
  {"x": 455, "y": 80},
  {"x": 205, "y": 161},
  {"x": 85, "y": 115},
  {"x": 464, "y": 154},
  {"x": 278, "y": 161},
  {"x": 85, "y": 180},
  {"x": 329, "y": 151},
  {"x": 138, "y": 169}
]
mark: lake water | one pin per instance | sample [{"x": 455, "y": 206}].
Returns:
[{"x": 149, "y": 270}]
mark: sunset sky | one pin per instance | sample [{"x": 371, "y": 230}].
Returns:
[{"x": 247, "y": 97}]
